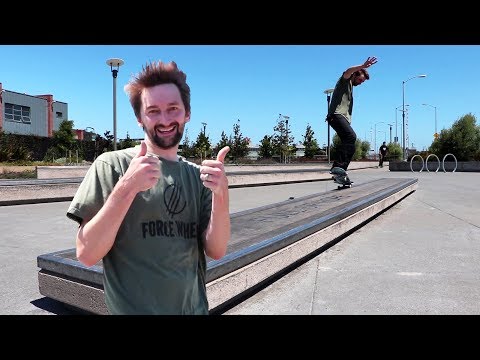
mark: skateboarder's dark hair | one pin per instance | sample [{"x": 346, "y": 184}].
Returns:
[{"x": 364, "y": 71}]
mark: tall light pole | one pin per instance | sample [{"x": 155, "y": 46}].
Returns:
[
  {"x": 286, "y": 118},
  {"x": 390, "y": 132},
  {"x": 204, "y": 126},
  {"x": 384, "y": 134},
  {"x": 371, "y": 137},
  {"x": 435, "y": 134},
  {"x": 396, "y": 127},
  {"x": 403, "y": 110},
  {"x": 115, "y": 64},
  {"x": 288, "y": 140},
  {"x": 328, "y": 92},
  {"x": 380, "y": 122}
]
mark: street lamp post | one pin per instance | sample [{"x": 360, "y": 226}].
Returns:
[
  {"x": 204, "y": 126},
  {"x": 328, "y": 92},
  {"x": 288, "y": 140},
  {"x": 384, "y": 134},
  {"x": 397, "y": 109},
  {"x": 286, "y": 137},
  {"x": 390, "y": 132},
  {"x": 403, "y": 110},
  {"x": 115, "y": 64},
  {"x": 435, "y": 134},
  {"x": 375, "y": 135}
]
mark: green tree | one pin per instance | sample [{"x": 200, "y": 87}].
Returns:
[
  {"x": 462, "y": 140},
  {"x": 239, "y": 143},
  {"x": 224, "y": 141},
  {"x": 361, "y": 148},
  {"x": 265, "y": 150},
  {"x": 395, "y": 152},
  {"x": 310, "y": 143},
  {"x": 63, "y": 142},
  {"x": 187, "y": 146},
  {"x": 126, "y": 143},
  {"x": 11, "y": 149},
  {"x": 364, "y": 149},
  {"x": 64, "y": 137},
  {"x": 281, "y": 138},
  {"x": 202, "y": 147},
  {"x": 105, "y": 142}
]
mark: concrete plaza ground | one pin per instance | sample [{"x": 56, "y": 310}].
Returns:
[{"x": 419, "y": 257}]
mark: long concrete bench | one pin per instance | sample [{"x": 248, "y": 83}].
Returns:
[
  {"x": 265, "y": 241},
  {"x": 60, "y": 172},
  {"x": 17, "y": 192}
]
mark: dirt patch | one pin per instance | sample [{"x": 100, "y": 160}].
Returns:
[{"x": 4, "y": 169}]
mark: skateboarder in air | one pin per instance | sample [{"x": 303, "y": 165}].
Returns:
[{"x": 339, "y": 117}]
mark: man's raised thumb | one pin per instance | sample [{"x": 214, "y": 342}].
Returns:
[
  {"x": 143, "y": 149},
  {"x": 222, "y": 153}
]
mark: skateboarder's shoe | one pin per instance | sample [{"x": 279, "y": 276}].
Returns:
[
  {"x": 342, "y": 180},
  {"x": 338, "y": 171}
]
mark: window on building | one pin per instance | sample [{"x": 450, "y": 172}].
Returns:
[
  {"x": 17, "y": 113},
  {"x": 59, "y": 114}
]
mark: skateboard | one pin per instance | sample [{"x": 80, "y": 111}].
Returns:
[{"x": 342, "y": 185}]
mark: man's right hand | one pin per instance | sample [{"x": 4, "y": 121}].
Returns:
[
  {"x": 143, "y": 171},
  {"x": 370, "y": 61}
]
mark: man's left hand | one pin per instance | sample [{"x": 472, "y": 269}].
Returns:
[{"x": 212, "y": 172}]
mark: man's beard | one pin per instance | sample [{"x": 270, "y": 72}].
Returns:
[{"x": 166, "y": 143}]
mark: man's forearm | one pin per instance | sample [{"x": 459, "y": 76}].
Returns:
[
  {"x": 349, "y": 72},
  {"x": 218, "y": 231},
  {"x": 96, "y": 237}
]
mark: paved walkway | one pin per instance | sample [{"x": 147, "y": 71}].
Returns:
[
  {"x": 419, "y": 257},
  {"x": 422, "y": 256}
]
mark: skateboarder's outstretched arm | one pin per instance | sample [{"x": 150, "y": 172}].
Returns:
[{"x": 351, "y": 70}]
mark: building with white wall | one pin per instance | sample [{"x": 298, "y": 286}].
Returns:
[{"x": 26, "y": 114}]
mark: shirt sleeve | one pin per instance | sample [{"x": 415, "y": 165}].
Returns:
[{"x": 93, "y": 191}]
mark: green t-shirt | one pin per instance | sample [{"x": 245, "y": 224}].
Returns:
[
  {"x": 157, "y": 263},
  {"x": 342, "y": 99}
]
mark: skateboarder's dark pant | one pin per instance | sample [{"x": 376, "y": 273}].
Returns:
[
  {"x": 380, "y": 162},
  {"x": 347, "y": 137}
]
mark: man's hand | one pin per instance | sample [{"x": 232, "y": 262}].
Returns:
[
  {"x": 143, "y": 171},
  {"x": 370, "y": 61},
  {"x": 212, "y": 173}
]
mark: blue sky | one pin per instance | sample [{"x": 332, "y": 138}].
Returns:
[{"x": 256, "y": 83}]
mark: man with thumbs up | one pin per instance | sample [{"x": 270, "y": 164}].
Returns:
[{"x": 149, "y": 215}]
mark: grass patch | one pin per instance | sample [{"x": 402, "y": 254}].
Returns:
[{"x": 27, "y": 174}]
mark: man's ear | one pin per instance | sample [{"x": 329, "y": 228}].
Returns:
[
  {"x": 187, "y": 118},
  {"x": 139, "y": 123}
]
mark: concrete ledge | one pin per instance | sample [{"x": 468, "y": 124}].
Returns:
[
  {"x": 223, "y": 290},
  {"x": 59, "y": 172},
  {"x": 264, "y": 242},
  {"x": 82, "y": 295},
  {"x": 51, "y": 189}
]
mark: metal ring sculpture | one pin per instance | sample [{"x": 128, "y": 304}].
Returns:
[
  {"x": 443, "y": 162},
  {"x": 426, "y": 162},
  {"x": 411, "y": 161}
]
